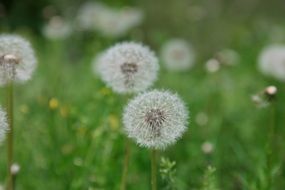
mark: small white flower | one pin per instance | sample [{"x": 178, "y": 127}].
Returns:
[
  {"x": 17, "y": 59},
  {"x": 272, "y": 62},
  {"x": 155, "y": 119},
  {"x": 178, "y": 55},
  {"x": 128, "y": 67},
  {"x": 3, "y": 125},
  {"x": 57, "y": 28},
  {"x": 212, "y": 65},
  {"x": 228, "y": 57},
  {"x": 207, "y": 147}
]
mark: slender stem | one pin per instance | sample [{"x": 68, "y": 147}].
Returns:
[
  {"x": 10, "y": 134},
  {"x": 270, "y": 147},
  {"x": 126, "y": 165},
  {"x": 153, "y": 169}
]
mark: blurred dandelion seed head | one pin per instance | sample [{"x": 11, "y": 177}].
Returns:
[
  {"x": 108, "y": 21},
  {"x": 3, "y": 125},
  {"x": 17, "y": 59},
  {"x": 207, "y": 147},
  {"x": 212, "y": 65},
  {"x": 15, "y": 168},
  {"x": 127, "y": 67},
  {"x": 155, "y": 119},
  {"x": 202, "y": 119},
  {"x": 178, "y": 55},
  {"x": 272, "y": 61},
  {"x": 57, "y": 28}
]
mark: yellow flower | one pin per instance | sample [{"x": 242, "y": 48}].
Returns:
[
  {"x": 24, "y": 109},
  {"x": 105, "y": 91},
  {"x": 53, "y": 103},
  {"x": 113, "y": 122},
  {"x": 64, "y": 111}
]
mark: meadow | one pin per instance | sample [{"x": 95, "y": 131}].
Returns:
[{"x": 68, "y": 122}]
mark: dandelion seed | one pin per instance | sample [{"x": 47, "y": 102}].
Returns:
[
  {"x": 155, "y": 119},
  {"x": 3, "y": 125},
  {"x": 128, "y": 67},
  {"x": 272, "y": 62},
  {"x": 178, "y": 55},
  {"x": 17, "y": 59},
  {"x": 57, "y": 28}
]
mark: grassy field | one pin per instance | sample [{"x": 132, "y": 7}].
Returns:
[{"x": 68, "y": 124}]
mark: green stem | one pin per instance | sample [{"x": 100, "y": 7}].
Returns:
[
  {"x": 10, "y": 134},
  {"x": 153, "y": 169},
  {"x": 126, "y": 165},
  {"x": 270, "y": 147}
]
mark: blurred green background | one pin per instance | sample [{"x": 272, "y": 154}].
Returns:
[{"x": 68, "y": 124}]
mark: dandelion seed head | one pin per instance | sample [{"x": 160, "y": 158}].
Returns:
[
  {"x": 127, "y": 67},
  {"x": 108, "y": 21},
  {"x": 207, "y": 147},
  {"x": 15, "y": 168},
  {"x": 155, "y": 119},
  {"x": 3, "y": 125},
  {"x": 212, "y": 65},
  {"x": 202, "y": 119},
  {"x": 57, "y": 28},
  {"x": 272, "y": 62},
  {"x": 17, "y": 59},
  {"x": 178, "y": 55}
]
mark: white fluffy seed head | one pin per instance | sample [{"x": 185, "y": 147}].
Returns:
[
  {"x": 128, "y": 67},
  {"x": 272, "y": 61},
  {"x": 57, "y": 28},
  {"x": 155, "y": 119},
  {"x": 108, "y": 21},
  {"x": 178, "y": 55},
  {"x": 17, "y": 59},
  {"x": 3, "y": 125}
]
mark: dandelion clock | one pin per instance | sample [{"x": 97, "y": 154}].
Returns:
[
  {"x": 272, "y": 62},
  {"x": 128, "y": 67},
  {"x": 177, "y": 55},
  {"x": 155, "y": 119},
  {"x": 17, "y": 59}
]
